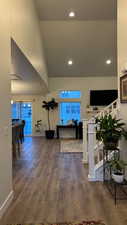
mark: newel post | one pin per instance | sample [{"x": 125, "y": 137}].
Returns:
[
  {"x": 91, "y": 145},
  {"x": 85, "y": 141}
]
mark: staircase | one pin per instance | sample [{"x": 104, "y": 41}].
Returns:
[{"x": 93, "y": 149}]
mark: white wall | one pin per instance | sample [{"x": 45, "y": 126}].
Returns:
[
  {"x": 24, "y": 27},
  {"x": 122, "y": 56},
  {"x": 84, "y": 85},
  {"x": 56, "y": 84},
  {"x": 25, "y": 30},
  {"x": 5, "y": 128},
  {"x": 27, "y": 87}
]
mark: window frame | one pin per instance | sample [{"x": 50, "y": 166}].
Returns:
[
  {"x": 70, "y": 91},
  {"x": 68, "y": 102},
  {"x": 19, "y": 112}
]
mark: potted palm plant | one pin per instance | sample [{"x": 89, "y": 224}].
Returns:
[
  {"x": 49, "y": 106},
  {"x": 110, "y": 130},
  {"x": 118, "y": 168}
]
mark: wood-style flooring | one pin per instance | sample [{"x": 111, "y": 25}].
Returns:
[{"x": 50, "y": 186}]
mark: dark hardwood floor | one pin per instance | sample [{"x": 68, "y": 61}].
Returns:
[{"x": 50, "y": 186}]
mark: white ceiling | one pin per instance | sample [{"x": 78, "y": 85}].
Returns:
[
  {"x": 89, "y": 39},
  {"x": 84, "y": 9}
]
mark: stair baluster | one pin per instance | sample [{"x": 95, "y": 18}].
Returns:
[{"x": 91, "y": 147}]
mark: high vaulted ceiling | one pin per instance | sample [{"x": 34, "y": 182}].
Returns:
[
  {"x": 89, "y": 39},
  {"x": 84, "y": 9}
]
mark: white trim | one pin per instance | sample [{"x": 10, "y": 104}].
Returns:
[
  {"x": 37, "y": 135},
  {"x": 6, "y": 203},
  {"x": 92, "y": 178},
  {"x": 85, "y": 162}
]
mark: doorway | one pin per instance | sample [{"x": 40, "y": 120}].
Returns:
[{"x": 23, "y": 111}]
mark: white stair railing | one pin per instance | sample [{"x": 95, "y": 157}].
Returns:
[
  {"x": 98, "y": 152},
  {"x": 91, "y": 144},
  {"x": 112, "y": 109},
  {"x": 92, "y": 149},
  {"x": 85, "y": 141}
]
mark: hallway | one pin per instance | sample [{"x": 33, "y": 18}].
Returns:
[{"x": 51, "y": 186}]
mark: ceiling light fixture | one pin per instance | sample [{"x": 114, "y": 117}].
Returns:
[
  {"x": 70, "y": 62},
  {"x": 72, "y": 14},
  {"x": 108, "y": 62}
]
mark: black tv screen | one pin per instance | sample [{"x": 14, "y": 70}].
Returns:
[{"x": 102, "y": 97}]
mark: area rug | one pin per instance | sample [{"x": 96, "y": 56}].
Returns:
[
  {"x": 82, "y": 223},
  {"x": 71, "y": 146}
]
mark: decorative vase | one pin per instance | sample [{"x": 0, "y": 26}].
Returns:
[{"x": 118, "y": 178}]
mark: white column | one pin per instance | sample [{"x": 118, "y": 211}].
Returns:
[
  {"x": 91, "y": 145},
  {"x": 85, "y": 141}
]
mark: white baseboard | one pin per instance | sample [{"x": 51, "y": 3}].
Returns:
[
  {"x": 37, "y": 135},
  {"x": 6, "y": 203},
  {"x": 92, "y": 178}
]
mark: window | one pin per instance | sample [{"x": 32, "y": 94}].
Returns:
[
  {"x": 69, "y": 110},
  {"x": 70, "y": 94},
  {"x": 15, "y": 110},
  {"x": 23, "y": 111}
]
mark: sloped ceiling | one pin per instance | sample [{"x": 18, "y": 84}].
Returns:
[
  {"x": 29, "y": 80},
  {"x": 89, "y": 39}
]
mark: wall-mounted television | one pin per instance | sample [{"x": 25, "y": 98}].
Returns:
[{"x": 102, "y": 97}]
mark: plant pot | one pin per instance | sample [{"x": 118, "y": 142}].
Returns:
[
  {"x": 111, "y": 145},
  {"x": 118, "y": 178},
  {"x": 49, "y": 134}
]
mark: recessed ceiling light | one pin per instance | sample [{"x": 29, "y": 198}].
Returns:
[
  {"x": 108, "y": 62},
  {"x": 72, "y": 14},
  {"x": 70, "y": 62}
]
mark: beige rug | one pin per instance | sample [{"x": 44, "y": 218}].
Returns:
[{"x": 71, "y": 146}]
